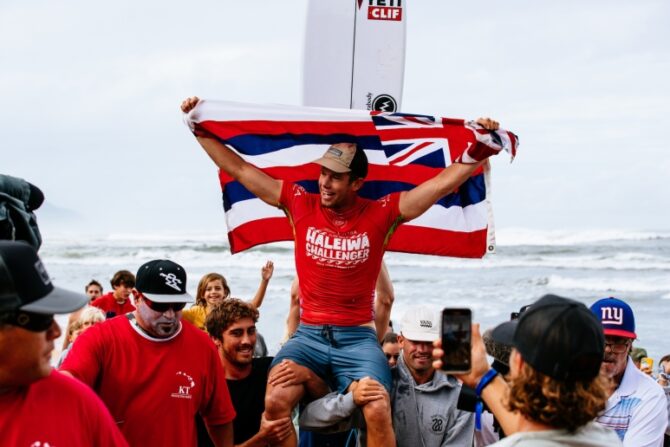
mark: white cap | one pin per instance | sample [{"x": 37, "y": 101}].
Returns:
[{"x": 420, "y": 324}]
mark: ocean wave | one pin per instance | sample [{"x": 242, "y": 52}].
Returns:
[
  {"x": 656, "y": 284},
  {"x": 522, "y": 236}
]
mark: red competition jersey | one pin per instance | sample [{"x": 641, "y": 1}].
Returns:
[
  {"x": 56, "y": 411},
  {"x": 110, "y": 307},
  {"x": 338, "y": 255},
  {"x": 153, "y": 389}
]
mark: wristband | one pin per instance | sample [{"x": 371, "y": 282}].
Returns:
[{"x": 479, "y": 407}]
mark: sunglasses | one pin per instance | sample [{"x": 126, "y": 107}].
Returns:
[
  {"x": 29, "y": 321},
  {"x": 392, "y": 356},
  {"x": 617, "y": 346},
  {"x": 163, "y": 307}
]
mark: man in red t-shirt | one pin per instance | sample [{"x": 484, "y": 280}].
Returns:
[
  {"x": 154, "y": 373},
  {"x": 340, "y": 240},
  {"x": 39, "y": 406},
  {"x": 117, "y": 302}
]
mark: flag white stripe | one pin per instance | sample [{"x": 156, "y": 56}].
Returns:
[{"x": 471, "y": 218}]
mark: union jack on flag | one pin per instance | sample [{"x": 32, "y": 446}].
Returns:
[{"x": 403, "y": 151}]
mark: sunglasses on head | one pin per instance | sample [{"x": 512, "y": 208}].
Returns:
[
  {"x": 163, "y": 307},
  {"x": 29, "y": 321}
]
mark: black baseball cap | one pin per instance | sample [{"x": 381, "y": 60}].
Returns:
[
  {"x": 25, "y": 284},
  {"x": 163, "y": 281},
  {"x": 558, "y": 337}
]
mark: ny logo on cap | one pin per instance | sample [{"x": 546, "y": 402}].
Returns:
[
  {"x": 425, "y": 323},
  {"x": 171, "y": 280},
  {"x": 612, "y": 315}
]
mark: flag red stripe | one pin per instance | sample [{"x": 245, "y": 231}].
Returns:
[
  {"x": 407, "y": 238},
  {"x": 230, "y": 129}
]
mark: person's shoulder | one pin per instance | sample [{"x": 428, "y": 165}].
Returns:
[
  {"x": 645, "y": 386},
  {"x": 101, "y": 300},
  {"x": 195, "y": 314},
  {"x": 192, "y": 334},
  {"x": 69, "y": 389},
  {"x": 261, "y": 363}
]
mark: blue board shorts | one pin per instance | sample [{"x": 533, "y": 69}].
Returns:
[{"x": 338, "y": 354}]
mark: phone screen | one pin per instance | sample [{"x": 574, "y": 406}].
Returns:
[{"x": 456, "y": 331}]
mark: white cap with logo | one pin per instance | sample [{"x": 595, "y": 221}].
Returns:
[{"x": 420, "y": 324}]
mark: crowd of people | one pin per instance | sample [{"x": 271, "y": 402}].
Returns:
[{"x": 143, "y": 369}]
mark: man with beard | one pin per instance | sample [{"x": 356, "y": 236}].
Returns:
[
  {"x": 340, "y": 239},
  {"x": 117, "y": 302},
  {"x": 232, "y": 327},
  {"x": 636, "y": 407},
  {"x": 153, "y": 372}
]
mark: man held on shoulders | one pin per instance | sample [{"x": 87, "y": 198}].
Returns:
[{"x": 340, "y": 239}]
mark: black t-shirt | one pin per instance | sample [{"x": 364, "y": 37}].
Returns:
[{"x": 248, "y": 396}]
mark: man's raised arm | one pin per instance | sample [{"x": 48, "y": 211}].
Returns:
[
  {"x": 416, "y": 201},
  {"x": 263, "y": 186}
]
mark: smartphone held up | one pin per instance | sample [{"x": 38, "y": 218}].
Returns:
[{"x": 456, "y": 340}]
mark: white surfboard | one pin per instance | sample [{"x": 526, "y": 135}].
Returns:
[{"x": 355, "y": 54}]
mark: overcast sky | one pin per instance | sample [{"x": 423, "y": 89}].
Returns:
[{"x": 90, "y": 94}]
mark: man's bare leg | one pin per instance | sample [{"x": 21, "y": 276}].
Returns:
[
  {"x": 384, "y": 297},
  {"x": 379, "y": 424},
  {"x": 279, "y": 402}
]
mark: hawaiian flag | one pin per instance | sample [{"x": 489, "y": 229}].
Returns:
[{"x": 403, "y": 150}]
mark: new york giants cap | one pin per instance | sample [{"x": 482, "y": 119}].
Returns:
[
  {"x": 616, "y": 317},
  {"x": 26, "y": 286},
  {"x": 420, "y": 324},
  {"x": 163, "y": 281},
  {"x": 558, "y": 337}
]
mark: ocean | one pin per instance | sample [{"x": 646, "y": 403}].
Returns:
[{"x": 584, "y": 265}]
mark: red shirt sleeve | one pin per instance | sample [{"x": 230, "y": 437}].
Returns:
[{"x": 83, "y": 360}]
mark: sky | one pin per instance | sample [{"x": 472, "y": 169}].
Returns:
[{"x": 90, "y": 95}]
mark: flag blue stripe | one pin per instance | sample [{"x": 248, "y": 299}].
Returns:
[
  {"x": 252, "y": 145},
  {"x": 471, "y": 192}
]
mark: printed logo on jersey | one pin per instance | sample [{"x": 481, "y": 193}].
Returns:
[
  {"x": 612, "y": 315},
  {"x": 384, "y": 10},
  {"x": 437, "y": 423},
  {"x": 171, "y": 280},
  {"x": 185, "y": 385},
  {"x": 341, "y": 251},
  {"x": 41, "y": 444}
]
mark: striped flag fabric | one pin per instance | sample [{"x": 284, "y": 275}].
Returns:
[{"x": 403, "y": 150}]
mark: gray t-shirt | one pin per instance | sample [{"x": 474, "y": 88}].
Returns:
[{"x": 591, "y": 435}]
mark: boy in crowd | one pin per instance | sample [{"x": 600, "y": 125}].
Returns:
[{"x": 117, "y": 302}]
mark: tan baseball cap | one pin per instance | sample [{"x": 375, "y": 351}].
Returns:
[{"x": 345, "y": 158}]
